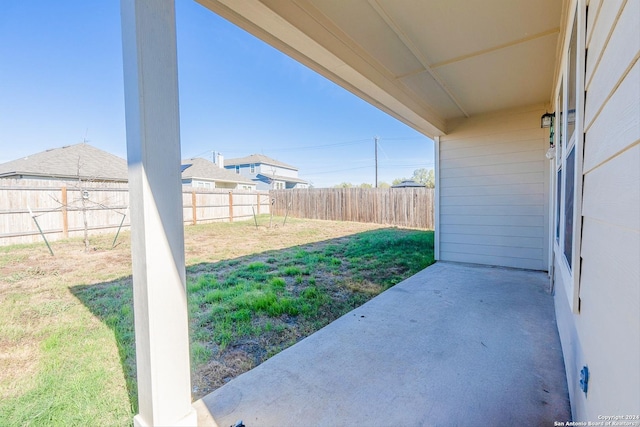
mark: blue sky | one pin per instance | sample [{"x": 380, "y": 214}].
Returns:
[{"x": 61, "y": 83}]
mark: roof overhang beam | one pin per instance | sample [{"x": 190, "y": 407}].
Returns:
[{"x": 357, "y": 76}]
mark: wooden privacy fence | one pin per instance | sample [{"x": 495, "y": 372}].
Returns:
[
  {"x": 201, "y": 206},
  {"x": 59, "y": 208},
  {"x": 405, "y": 207}
]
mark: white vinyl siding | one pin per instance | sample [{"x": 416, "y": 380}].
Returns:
[
  {"x": 269, "y": 170},
  {"x": 605, "y": 335},
  {"x": 493, "y": 178},
  {"x": 610, "y": 281}
]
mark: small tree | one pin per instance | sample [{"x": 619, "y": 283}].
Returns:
[
  {"x": 425, "y": 177},
  {"x": 343, "y": 185},
  {"x": 272, "y": 183},
  {"x": 83, "y": 184},
  {"x": 84, "y": 198}
]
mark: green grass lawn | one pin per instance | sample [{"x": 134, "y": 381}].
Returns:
[{"x": 68, "y": 333}]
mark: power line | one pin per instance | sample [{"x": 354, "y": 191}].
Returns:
[
  {"x": 313, "y": 147},
  {"x": 375, "y": 142},
  {"x": 198, "y": 155},
  {"x": 320, "y": 146},
  {"x": 406, "y": 138},
  {"x": 383, "y": 152},
  {"x": 380, "y": 166},
  {"x": 336, "y": 170},
  {"x": 405, "y": 165}
]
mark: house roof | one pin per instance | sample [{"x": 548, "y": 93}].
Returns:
[
  {"x": 198, "y": 168},
  {"x": 70, "y": 162},
  {"x": 427, "y": 63},
  {"x": 257, "y": 159},
  {"x": 283, "y": 178},
  {"x": 407, "y": 183}
]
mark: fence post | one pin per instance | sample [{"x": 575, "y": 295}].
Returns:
[
  {"x": 258, "y": 204},
  {"x": 193, "y": 207},
  {"x": 65, "y": 217},
  {"x": 230, "y": 206}
]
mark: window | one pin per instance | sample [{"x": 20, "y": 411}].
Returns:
[
  {"x": 568, "y": 154},
  {"x": 571, "y": 84},
  {"x": 559, "y": 163},
  {"x": 238, "y": 169},
  {"x": 569, "y": 151},
  {"x": 558, "y": 200},
  {"x": 568, "y": 205},
  {"x": 569, "y": 159},
  {"x": 253, "y": 168}
]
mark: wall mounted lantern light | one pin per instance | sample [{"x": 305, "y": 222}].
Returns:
[{"x": 546, "y": 121}]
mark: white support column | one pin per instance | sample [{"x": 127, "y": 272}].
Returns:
[{"x": 157, "y": 236}]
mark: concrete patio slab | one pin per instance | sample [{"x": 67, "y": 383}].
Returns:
[{"x": 455, "y": 344}]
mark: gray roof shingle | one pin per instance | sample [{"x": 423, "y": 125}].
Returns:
[
  {"x": 70, "y": 162},
  {"x": 283, "y": 178},
  {"x": 204, "y": 169},
  {"x": 90, "y": 163},
  {"x": 257, "y": 158}
]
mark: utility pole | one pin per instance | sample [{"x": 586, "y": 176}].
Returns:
[{"x": 375, "y": 141}]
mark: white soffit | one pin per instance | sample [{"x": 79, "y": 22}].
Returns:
[
  {"x": 509, "y": 77},
  {"x": 422, "y": 61}
]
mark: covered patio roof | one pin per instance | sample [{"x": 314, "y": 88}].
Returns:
[{"x": 423, "y": 62}]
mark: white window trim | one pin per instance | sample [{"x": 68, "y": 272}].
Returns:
[
  {"x": 571, "y": 276},
  {"x": 436, "y": 208}
]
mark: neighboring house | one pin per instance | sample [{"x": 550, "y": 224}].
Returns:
[
  {"x": 201, "y": 173},
  {"x": 476, "y": 77},
  {"x": 73, "y": 190},
  {"x": 87, "y": 163},
  {"x": 70, "y": 163},
  {"x": 409, "y": 183},
  {"x": 266, "y": 172}
]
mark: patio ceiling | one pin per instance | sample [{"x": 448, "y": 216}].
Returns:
[{"x": 422, "y": 61}]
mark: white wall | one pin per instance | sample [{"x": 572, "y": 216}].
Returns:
[
  {"x": 493, "y": 198},
  {"x": 297, "y": 185},
  {"x": 605, "y": 335},
  {"x": 269, "y": 170}
]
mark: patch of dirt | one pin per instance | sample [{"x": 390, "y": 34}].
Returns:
[
  {"x": 220, "y": 371},
  {"x": 245, "y": 355}
]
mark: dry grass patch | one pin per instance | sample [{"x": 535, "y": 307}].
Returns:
[{"x": 364, "y": 286}]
